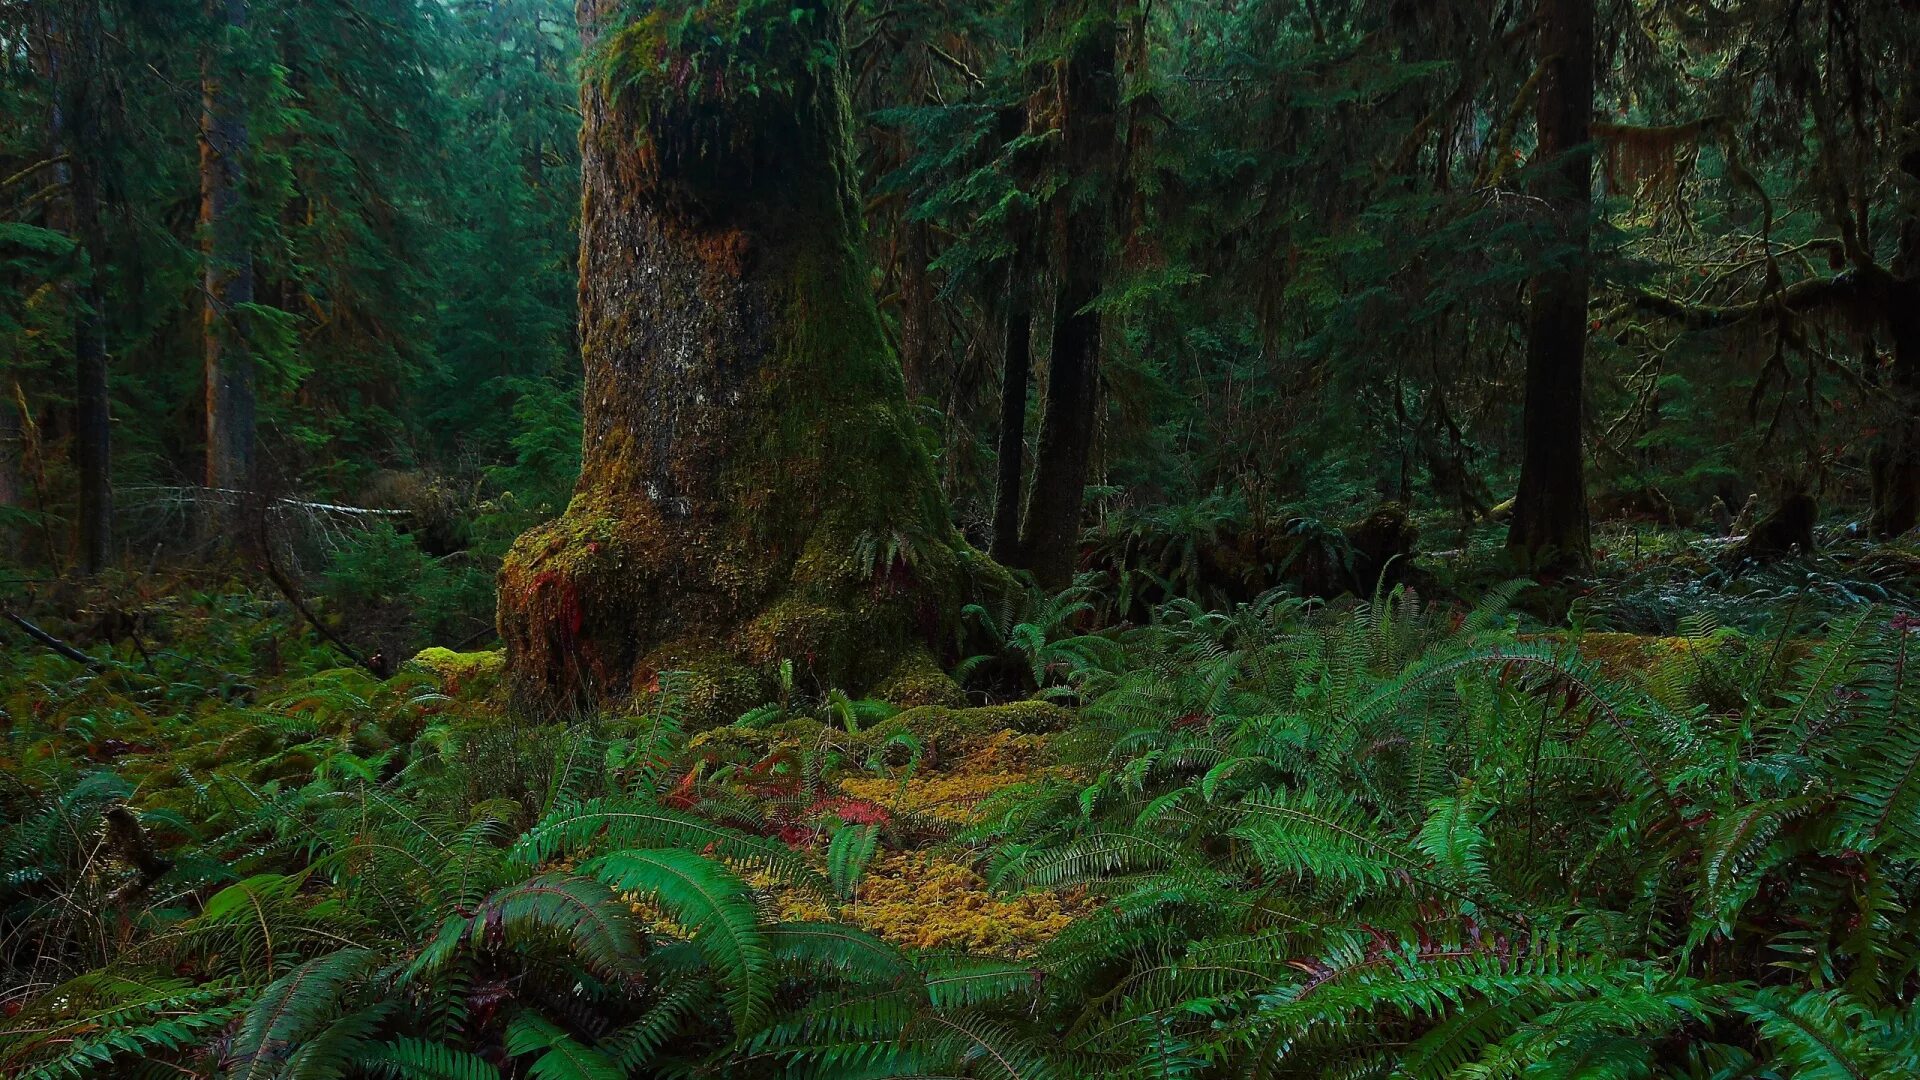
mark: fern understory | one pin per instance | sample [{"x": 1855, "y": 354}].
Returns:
[{"x": 1371, "y": 840}]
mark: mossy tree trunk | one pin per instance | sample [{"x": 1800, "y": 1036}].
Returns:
[
  {"x": 1549, "y": 531},
  {"x": 751, "y": 486}
]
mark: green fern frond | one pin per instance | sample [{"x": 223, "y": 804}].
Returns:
[
  {"x": 292, "y": 1008},
  {"x": 615, "y": 824},
  {"x": 849, "y": 851},
  {"x": 578, "y": 911},
  {"x": 716, "y": 909},
  {"x": 561, "y": 1056},
  {"x": 419, "y": 1059}
]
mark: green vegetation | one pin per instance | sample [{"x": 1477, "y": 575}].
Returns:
[
  {"x": 1351, "y": 539},
  {"x": 1388, "y": 838}
]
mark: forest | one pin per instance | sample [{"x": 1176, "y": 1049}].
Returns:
[{"x": 974, "y": 539}]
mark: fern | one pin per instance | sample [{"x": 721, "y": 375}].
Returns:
[
  {"x": 560, "y": 1056},
  {"x": 717, "y": 912}
]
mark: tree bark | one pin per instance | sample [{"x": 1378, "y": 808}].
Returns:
[
  {"x": 229, "y": 263},
  {"x": 13, "y": 494},
  {"x": 1017, "y": 365},
  {"x": 1091, "y": 99},
  {"x": 751, "y": 486},
  {"x": 1894, "y": 464},
  {"x": 1549, "y": 531},
  {"x": 75, "y": 65}
]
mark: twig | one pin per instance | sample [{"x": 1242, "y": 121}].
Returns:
[{"x": 292, "y": 594}]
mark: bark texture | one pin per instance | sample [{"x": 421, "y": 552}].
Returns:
[
  {"x": 1017, "y": 365},
  {"x": 1051, "y": 537},
  {"x": 229, "y": 265},
  {"x": 1894, "y": 465},
  {"x": 1549, "y": 531},
  {"x": 76, "y": 66},
  {"x": 751, "y": 487},
  {"x": 13, "y": 495}
]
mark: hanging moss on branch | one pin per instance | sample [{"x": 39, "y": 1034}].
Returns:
[{"x": 751, "y": 486}]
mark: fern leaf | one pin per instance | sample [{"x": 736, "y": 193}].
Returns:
[
  {"x": 562, "y": 1057},
  {"x": 715, "y": 907}
]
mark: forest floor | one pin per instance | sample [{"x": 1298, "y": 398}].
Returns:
[{"x": 253, "y": 758}]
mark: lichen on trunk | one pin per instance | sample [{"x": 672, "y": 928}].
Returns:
[{"x": 751, "y": 488}]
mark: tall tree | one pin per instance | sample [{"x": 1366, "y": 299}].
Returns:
[
  {"x": 1549, "y": 531},
  {"x": 1016, "y": 359},
  {"x": 226, "y": 247},
  {"x": 751, "y": 486},
  {"x": 1017, "y": 366},
  {"x": 1089, "y": 103},
  {"x": 76, "y": 69}
]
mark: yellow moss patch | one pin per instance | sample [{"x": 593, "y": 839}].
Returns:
[
  {"x": 926, "y": 901},
  {"x": 950, "y": 798}
]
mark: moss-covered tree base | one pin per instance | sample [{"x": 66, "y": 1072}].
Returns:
[
  {"x": 752, "y": 488},
  {"x": 595, "y": 610}
]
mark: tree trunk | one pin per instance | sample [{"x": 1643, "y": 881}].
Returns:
[
  {"x": 1017, "y": 364},
  {"x": 918, "y": 316},
  {"x": 1894, "y": 464},
  {"x": 13, "y": 494},
  {"x": 229, "y": 263},
  {"x": 75, "y": 63},
  {"x": 1091, "y": 98},
  {"x": 1549, "y": 532},
  {"x": 751, "y": 486}
]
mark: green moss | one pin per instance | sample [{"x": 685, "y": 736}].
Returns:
[
  {"x": 945, "y": 732},
  {"x": 704, "y": 686},
  {"x": 745, "y": 745},
  {"x": 474, "y": 674},
  {"x": 917, "y": 681}
]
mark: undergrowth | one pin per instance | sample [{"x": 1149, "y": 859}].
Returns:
[{"x": 1386, "y": 839}]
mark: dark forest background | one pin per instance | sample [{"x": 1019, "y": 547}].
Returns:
[{"x": 1314, "y": 239}]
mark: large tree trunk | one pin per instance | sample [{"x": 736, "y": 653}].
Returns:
[
  {"x": 1051, "y": 537},
  {"x": 229, "y": 264},
  {"x": 751, "y": 487},
  {"x": 1549, "y": 532}
]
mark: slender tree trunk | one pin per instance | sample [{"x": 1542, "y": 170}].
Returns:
[
  {"x": 75, "y": 53},
  {"x": 751, "y": 488},
  {"x": 1549, "y": 531},
  {"x": 229, "y": 263},
  {"x": 1017, "y": 365},
  {"x": 13, "y": 494},
  {"x": 1082, "y": 226}
]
